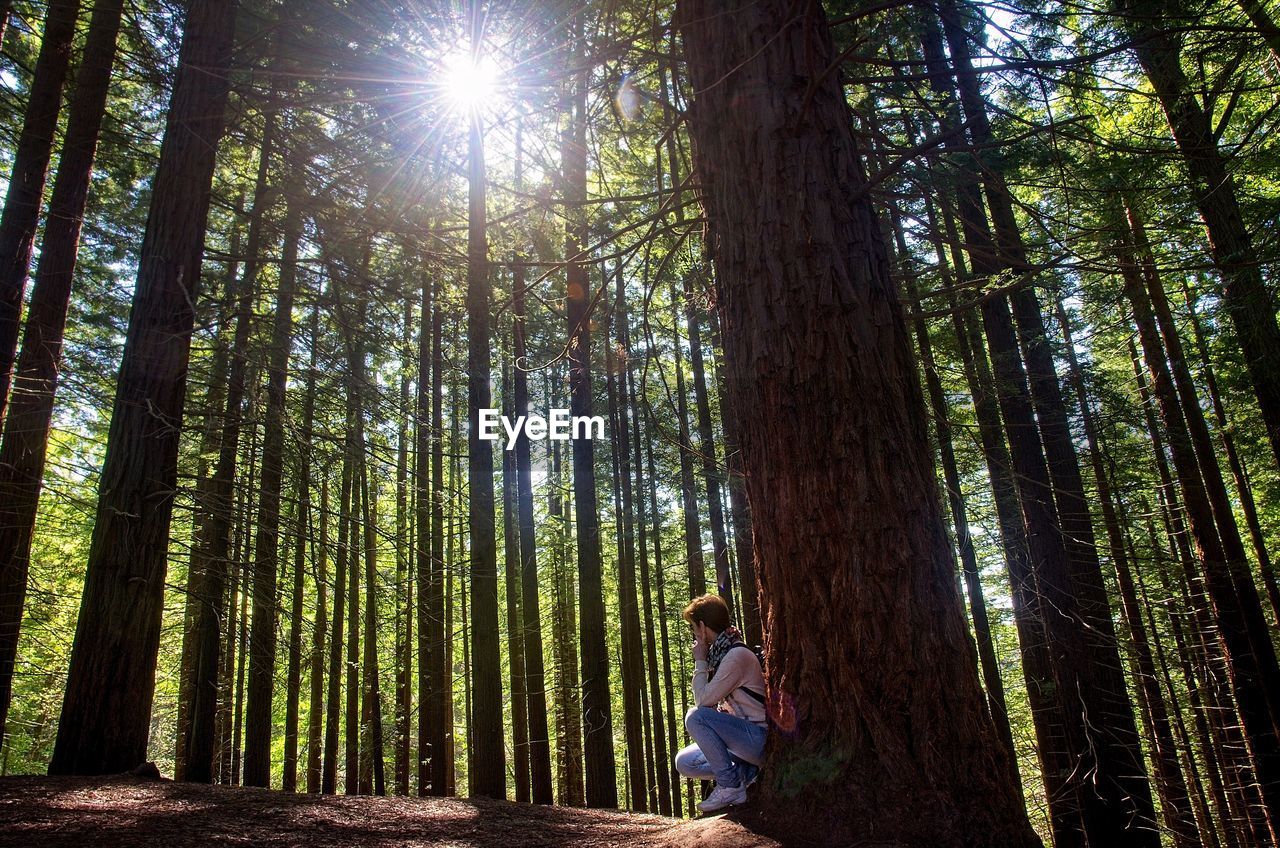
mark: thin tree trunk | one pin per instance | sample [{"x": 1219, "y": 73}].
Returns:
[
  {"x": 959, "y": 514},
  {"x": 597, "y": 713},
  {"x": 1175, "y": 804},
  {"x": 1236, "y": 606},
  {"x": 631, "y": 654},
  {"x": 659, "y": 762},
  {"x": 317, "y": 703},
  {"x": 302, "y": 508},
  {"x": 404, "y": 604},
  {"x": 373, "y": 756},
  {"x": 531, "y": 607},
  {"x": 739, "y": 509},
  {"x": 707, "y": 450},
  {"x": 487, "y": 753},
  {"x": 424, "y": 503},
  {"x": 1238, "y": 470},
  {"x": 511, "y": 568},
  {"x": 262, "y": 639},
  {"x": 31, "y": 158},
  {"x": 1157, "y": 43},
  {"x": 329, "y": 780}
]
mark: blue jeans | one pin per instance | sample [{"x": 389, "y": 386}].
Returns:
[{"x": 722, "y": 743}]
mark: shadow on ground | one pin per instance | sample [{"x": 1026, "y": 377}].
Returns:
[{"x": 114, "y": 812}]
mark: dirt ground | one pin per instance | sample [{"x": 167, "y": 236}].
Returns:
[{"x": 43, "y": 812}]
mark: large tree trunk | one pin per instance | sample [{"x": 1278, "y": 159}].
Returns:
[
  {"x": 106, "y": 710},
  {"x": 853, "y": 558},
  {"x": 26, "y": 428},
  {"x": 30, "y": 166}
]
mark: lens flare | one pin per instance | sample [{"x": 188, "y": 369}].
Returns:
[{"x": 470, "y": 83}]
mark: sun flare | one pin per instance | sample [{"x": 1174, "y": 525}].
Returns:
[{"x": 470, "y": 83}]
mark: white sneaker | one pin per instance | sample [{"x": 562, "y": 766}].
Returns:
[{"x": 723, "y": 796}]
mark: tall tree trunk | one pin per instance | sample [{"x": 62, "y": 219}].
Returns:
[
  {"x": 511, "y": 569},
  {"x": 282, "y": 340},
  {"x": 632, "y": 661},
  {"x": 26, "y": 428},
  {"x": 739, "y": 509},
  {"x": 373, "y": 767},
  {"x": 1236, "y": 606},
  {"x": 688, "y": 486},
  {"x": 1028, "y": 609},
  {"x": 106, "y": 709},
  {"x": 351, "y": 739},
  {"x": 959, "y": 514},
  {"x": 661, "y": 784},
  {"x": 661, "y": 580},
  {"x": 1175, "y": 804},
  {"x": 435, "y": 703},
  {"x": 867, "y": 748},
  {"x": 404, "y": 604},
  {"x": 1157, "y": 38},
  {"x": 1118, "y": 804},
  {"x": 531, "y": 607},
  {"x": 597, "y": 713},
  {"x": 329, "y": 780},
  {"x": 262, "y": 640},
  {"x": 214, "y": 404},
  {"x": 1238, "y": 470},
  {"x": 568, "y": 707},
  {"x": 707, "y": 449},
  {"x": 317, "y": 702},
  {"x": 486, "y": 748},
  {"x": 215, "y": 533},
  {"x": 31, "y": 158}
]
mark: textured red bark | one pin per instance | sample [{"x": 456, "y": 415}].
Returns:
[
  {"x": 107, "y": 707},
  {"x": 883, "y": 735}
]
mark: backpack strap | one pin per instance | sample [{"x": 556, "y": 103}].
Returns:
[{"x": 756, "y": 696}]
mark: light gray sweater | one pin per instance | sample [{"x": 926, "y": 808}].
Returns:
[{"x": 738, "y": 668}]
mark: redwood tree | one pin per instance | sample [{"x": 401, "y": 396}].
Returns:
[
  {"x": 859, "y": 599},
  {"x": 106, "y": 710}
]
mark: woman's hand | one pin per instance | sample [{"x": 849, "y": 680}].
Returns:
[{"x": 699, "y": 649}]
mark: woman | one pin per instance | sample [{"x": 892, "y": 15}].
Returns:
[{"x": 728, "y": 722}]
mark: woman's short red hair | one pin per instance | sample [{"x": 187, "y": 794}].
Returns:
[{"x": 711, "y": 610}]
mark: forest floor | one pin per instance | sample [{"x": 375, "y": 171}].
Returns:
[{"x": 113, "y": 812}]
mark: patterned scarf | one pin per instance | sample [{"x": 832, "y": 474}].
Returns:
[{"x": 724, "y": 643}]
